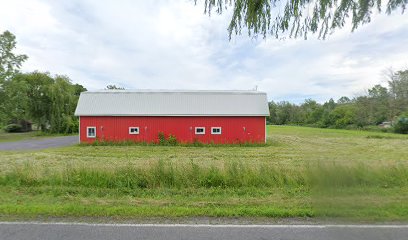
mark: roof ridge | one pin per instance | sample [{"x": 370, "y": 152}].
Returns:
[{"x": 176, "y": 91}]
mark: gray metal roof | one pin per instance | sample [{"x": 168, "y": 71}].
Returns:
[{"x": 172, "y": 103}]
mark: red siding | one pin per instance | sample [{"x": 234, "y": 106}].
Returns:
[{"x": 234, "y": 129}]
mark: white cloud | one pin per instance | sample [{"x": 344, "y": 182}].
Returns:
[{"x": 172, "y": 44}]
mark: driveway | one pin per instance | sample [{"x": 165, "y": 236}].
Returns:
[{"x": 41, "y": 143}]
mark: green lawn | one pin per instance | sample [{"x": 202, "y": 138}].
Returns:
[{"x": 301, "y": 172}]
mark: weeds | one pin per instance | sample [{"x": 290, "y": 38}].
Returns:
[
  {"x": 379, "y": 137},
  {"x": 232, "y": 175},
  {"x": 172, "y": 141}
]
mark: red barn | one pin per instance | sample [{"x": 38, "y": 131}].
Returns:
[{"x": 204, "y": 116}]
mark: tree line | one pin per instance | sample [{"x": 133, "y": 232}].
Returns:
[
  {"x": 379, "y": 105},
  {"x": 39, "y": 98}
]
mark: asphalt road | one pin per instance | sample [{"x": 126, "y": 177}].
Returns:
[
  {"x": 77, "y": 231},
  {"x": 42, "y": 143}
]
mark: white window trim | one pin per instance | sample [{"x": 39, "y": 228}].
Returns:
[
  {"x": 216, "y": 133},
  {"x": 201, "y": 133},
  {"x": 134, "y": 133},
  {"x": 87, "y": 132}
]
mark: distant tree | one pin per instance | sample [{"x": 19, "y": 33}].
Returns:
[
  {"x": 10, "y": 62},
  {"x": 379, "y": 104},
  {"x": 298, "y": 18},
  {"x": 326, "y": 119},
  {"x": 16, "y": 99},
  {"x": 343, "y": 100},
  {"x": 47, "y": 101},
  {"x": 401, "y": 124},
  {"x": 362, "y": 115},
  {"x": 78, "y": 89},
  {"x": 342, "y": 116},
  {"x": 398, "y": 87},
  {"x": 114, "y": 87},
  {"x": 287, "y": 113},
  {"x": 272, "y": 118},
  {"x": 64, "y": 100},
  {"x": 39, "y": 105},
  {"x": 311, "y": 112}
]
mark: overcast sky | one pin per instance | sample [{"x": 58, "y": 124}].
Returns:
[{"x": 173, "y": 45}]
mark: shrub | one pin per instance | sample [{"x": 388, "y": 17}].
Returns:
[
  {"x": 401, "y": 126},
  {"x": 162, "y": 139},
  {"x": 13, "y": 128},
  {"x": 172, "y": 141}
]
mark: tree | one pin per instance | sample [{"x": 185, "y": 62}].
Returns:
[
  {"x": 63, "y": 102},
  {"x": 15, "y": 92},
  {"x": 48, "y": 101},
  {"x": 343, "y": 100},
  {"x": 311, "y": 111},
  {"x": 401, "y": 125},
  {"x": 79, "y": 89},
  {"x": 272, "y": 118},
  {"x": 297, "y": 18},
  {"x": 39, "y": 97},
  {"x": 379, "y": 104},
  {"x": 40, "y": 102},
  {"x": 10, "y": 63},
  {"x": 114, "y": 87},
  {"x": 398, "y": 87}
]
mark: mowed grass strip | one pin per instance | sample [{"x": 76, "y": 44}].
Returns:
[
  {"x": 297, "y": 174},
  {"x": 21, "y": 136},
  {"x": 12, "y": 137}
]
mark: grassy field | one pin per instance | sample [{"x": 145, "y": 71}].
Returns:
[{"x": 301, "y": 172}]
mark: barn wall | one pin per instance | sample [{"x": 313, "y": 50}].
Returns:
[{"x": 234, "y": 129}]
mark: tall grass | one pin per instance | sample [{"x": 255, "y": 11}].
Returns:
[
  {"x": 172, "y": 141},
  {"x": 163, "y": 174}
]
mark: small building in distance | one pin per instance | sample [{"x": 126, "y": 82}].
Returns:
[
  {"x": 221, "y": 117},
  {"x": 385, "y": 125}
]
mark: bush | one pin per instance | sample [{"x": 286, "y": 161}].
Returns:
[
  {"x": 162, "y": 138},
  {"x": 172, "y": 141},
  {"x": 13, "y": 128},
  {"x": 401, "y": 126}
]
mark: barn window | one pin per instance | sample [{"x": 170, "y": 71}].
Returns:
[
  {"x": 200, "y": 130},
  {"x": 91, "y": 132},
  {"x": 216, "y": 130},
  {"x": 133, "y": 130}
]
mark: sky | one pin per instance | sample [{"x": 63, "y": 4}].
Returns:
[{"x": 172, "y": 44}]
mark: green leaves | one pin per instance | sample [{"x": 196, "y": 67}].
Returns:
[
  {"x": 10, "y": 63},
  {"x": 48, "y": 101},
  {"x": 298, "y": 18}
]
